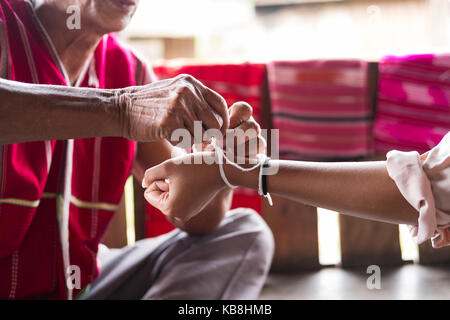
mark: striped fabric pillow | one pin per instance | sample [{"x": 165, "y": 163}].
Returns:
[
  {"x": 413, "y": 102},
  {"x": 322, "y": 109},
  {"x": 235, "y": 82}
]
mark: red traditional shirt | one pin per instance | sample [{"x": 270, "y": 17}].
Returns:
[{"x": 57, "y": 197}]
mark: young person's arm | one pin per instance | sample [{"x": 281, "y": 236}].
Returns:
[{"x": 362, "y": 189}]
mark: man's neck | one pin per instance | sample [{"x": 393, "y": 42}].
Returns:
[{"x": 72, "y": 46}]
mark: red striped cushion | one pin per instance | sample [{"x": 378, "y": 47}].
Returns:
[
  {"x": 321, "y": 109},
  {"x": 235, "y": 82}
]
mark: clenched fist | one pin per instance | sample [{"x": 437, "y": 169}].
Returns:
[{"x": 154, "y": 111}]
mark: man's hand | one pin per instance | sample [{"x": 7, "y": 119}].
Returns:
[
  {"x": 246, "y": 137},
  {"x": 241, "y": 120},
  {"x": 154, "y": 111}
]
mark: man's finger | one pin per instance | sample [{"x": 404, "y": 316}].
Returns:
[
  {"x": 247, "y": 150},
  {"x": 253, "y": 147},
  {"x": 219, "y": 106},
  {"x": 209, "y": 120},
  {"x": 250, "y": 125},
  {"x": 239, "y": 112},
  {"x": 189, "y": 126},
  {"x": 244, "y": 132}
]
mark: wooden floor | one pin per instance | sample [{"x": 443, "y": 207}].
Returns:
[{"x": 406, "y": 282}]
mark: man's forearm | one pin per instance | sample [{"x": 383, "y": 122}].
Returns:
[{"x": 31, "y": 112}]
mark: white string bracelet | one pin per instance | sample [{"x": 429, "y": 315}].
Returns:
[
  {"x": 222, "y": 172},
  {"x": 262, "y": 161}
]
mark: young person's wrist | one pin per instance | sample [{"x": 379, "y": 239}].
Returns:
[
  {"x": 236, "y": 177},
  {"x": 212, "y": 170}
]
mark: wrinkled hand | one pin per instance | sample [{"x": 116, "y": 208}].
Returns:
[
  {"x": 154, "y": 111},
  {"x": 181, "y": 189}
]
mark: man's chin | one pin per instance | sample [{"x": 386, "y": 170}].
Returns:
[
  {"x": 115, "y": 15},
  {"x": 116, "y": 26}
]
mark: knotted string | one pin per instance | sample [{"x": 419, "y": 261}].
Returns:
[{"x": 221, "y": 155}]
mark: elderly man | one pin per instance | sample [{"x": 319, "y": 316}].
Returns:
[{"x": 69, "y": 102}]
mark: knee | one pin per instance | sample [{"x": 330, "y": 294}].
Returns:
[{"x": 256, "y": 233}]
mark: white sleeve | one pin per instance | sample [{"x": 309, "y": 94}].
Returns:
[{"x": 425, "y": 184}]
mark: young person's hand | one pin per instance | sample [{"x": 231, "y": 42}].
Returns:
[{"x": 180, "y": 188}]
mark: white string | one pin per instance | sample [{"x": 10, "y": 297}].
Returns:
[
  {"x": 220, "y": 155},
  {"x": 222, "y": 172}
]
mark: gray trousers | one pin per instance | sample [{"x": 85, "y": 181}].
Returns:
[{"x": 230, "y": 263}]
